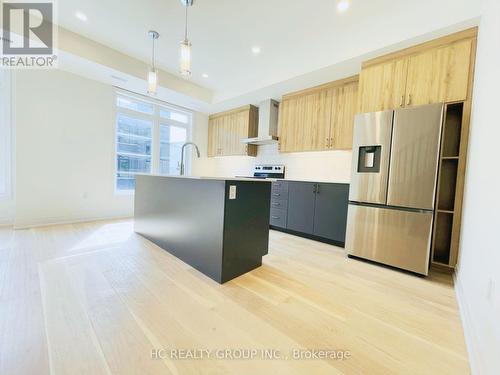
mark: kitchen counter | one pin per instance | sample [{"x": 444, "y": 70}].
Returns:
[
  {"x": 220, "y": 226},
  {"x": 312, "y": 180}
]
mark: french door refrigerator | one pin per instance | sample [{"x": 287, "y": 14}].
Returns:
[{"x": 393, "y": 186}]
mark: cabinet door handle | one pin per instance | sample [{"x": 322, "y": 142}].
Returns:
[
  {"x": 317, "y": 188},
  {"x": 402, "y": 101},
  {"x": 331, "y": 142},
  {"x": 314, "y": 189},
  {"x": 328, "y": 143},
  {"x": 409, "y": 100}
]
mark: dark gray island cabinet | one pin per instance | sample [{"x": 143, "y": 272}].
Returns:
[{"x": 218, "y": 226}]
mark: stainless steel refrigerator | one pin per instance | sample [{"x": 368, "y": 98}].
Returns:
[{"x": 393, "y": 186}]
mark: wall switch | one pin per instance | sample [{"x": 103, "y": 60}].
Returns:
[{"x": 232, "y": 191}]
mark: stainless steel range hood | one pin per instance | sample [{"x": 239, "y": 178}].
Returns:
[{"x": 268, "y": 124}]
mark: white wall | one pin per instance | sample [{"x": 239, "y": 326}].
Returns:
[
  {"x": 65, "y": 149},
  {"x": 203, "y": 166},
  {"x": 332, "y": 166},
  {"x": 478, "y": 276},
  {"x": 7, "y": 211},
  {"x": 7, "y": 203}
]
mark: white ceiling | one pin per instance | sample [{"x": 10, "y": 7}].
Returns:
[{"x": 296, "y": 36}]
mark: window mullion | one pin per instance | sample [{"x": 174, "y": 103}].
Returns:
[{"x": 156, "y": 142}]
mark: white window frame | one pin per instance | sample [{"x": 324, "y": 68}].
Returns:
[
  {"x": 157, "y": 120},
  {"x": 6, "y": 132}
]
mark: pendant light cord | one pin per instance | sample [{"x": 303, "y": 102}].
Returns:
[{"x": 186, "y": 23}]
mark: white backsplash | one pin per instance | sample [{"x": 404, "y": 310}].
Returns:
[{"x": 334, "y": 166}]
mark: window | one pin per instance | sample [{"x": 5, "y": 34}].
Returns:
[
  {"x": 171, "y": 140},
  {"x": 149, "y": 138},
  {"x": 5, "y": 135}
]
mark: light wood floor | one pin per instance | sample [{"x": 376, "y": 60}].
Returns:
[{"x": 96, "y": 298}]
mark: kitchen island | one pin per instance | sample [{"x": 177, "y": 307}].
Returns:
[{"x": 218, "y": 226}]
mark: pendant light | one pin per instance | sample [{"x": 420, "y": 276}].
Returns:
[
  {"x": 185, "y": 45},
  {"x": 153, "y": 72}
]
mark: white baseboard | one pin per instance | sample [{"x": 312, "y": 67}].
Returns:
[
  {"x": 6, "y": 222},
  {"x": 471, "y": 340},
  {"x": 61, "y": 221}
]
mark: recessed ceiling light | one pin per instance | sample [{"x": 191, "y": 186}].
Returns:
[
  {"x": 81, "y": 16},
  {"x": 343, "y": 5},
  {"x": 255, "y": 50},
  {"x": 204, "y": 75}
]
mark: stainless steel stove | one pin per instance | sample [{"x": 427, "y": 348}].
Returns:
[{"x": 268, "y": 171}]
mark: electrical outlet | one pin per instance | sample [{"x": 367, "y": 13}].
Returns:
[{"x": 232, "y": 191}]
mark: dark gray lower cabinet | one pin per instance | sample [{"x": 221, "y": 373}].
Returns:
[
  {"x": 301, "y": 197},
  {"x": 278, "y": 217},
  {"x": 279, "y": 204},
  {"x": 317, "y": 210},
  {"x": 330, "y": 213}
]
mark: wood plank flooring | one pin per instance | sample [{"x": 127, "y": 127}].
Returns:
[{"x": 96, "y": 298}]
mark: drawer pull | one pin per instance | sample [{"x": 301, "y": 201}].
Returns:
[
  {"x": 275, "y": 217},
  {"x": 275, "y": 204},
  {"x": 276, "y": 194}
]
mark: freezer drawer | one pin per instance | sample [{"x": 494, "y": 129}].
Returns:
[
  {"x": 371, "y": 152},
  {"x": 391, "y": 236},
  {"x": 416, "y": 137}
]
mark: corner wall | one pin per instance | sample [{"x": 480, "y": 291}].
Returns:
[
  {"x": 478, "y": 275},
  {"x": 65, "y": 149}
]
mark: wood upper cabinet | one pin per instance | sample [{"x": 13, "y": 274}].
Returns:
[
  {"x": 382, "y": 86},
  {"x": 318, "y": 119},
  {"x": 305, "y": 121},
  {"x": 435, "y": 72},
  {"x": 213, "y": 136},
  {"x": 227, "y": 129},
  {"x": 288, "y": 113},
  {"x": 439, "y": 75},
  {"x": 344, "y": 108}
]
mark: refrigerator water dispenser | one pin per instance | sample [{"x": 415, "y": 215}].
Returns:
[{"x": 369, "y": 159}]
